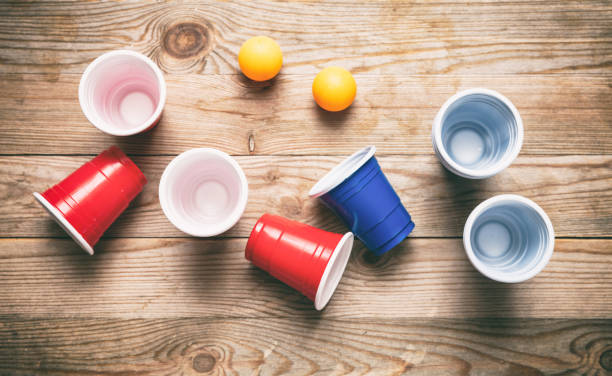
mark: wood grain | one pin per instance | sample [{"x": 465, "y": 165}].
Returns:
[
  {"x": 373, "y": 37},
  {"x": 152, "y": 301},
  {"x": 196, "y": 346},
  {"x": 40, "y": 114},
  {"x": 575, "y": 191},
  {"x": 163, "y": 278}
]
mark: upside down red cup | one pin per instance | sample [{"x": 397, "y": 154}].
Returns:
[
  {"x": 89, "y": 200},
  {"x": 306, "y": 258}
]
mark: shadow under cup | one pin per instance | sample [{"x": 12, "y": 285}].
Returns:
[
  {"x": 509, "y": 238},
  {"x": 477, "y": 133}
]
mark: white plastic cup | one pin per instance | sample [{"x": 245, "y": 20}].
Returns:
[
  {"x": 122, "y": 93},
  {"x": 509, "y": 238},
  {"x": 203, "y": 192},
  {"x": 477, "y": 133}
]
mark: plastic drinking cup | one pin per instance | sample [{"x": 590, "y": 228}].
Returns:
[
  {"x": 306, "y": 258},
  {"x": 122, "y": 93},
  {"x": 358, "y": 192},
  {"x": 89, "y": 200},
  {"x": 509, "y": 238},
  {"x": 203, "y": 192},
  {"x": 477, "y": 133}
]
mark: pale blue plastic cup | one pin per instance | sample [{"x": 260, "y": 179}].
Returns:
[
  {"x": 477, "y": 133},
  {"x": 509, "y": 238}
]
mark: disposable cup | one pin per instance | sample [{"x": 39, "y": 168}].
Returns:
[
  {"x": 477, "y": 133},
  {"x": 358, "y": 192},
  {"x": 122, "y": 93},
  {"x": 509, "y": 238},
  {"x": 203, "y": 192},
  {"x": 306, "y": 258},
  {"x": 89, "y": 200}
]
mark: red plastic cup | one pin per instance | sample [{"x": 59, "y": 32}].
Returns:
[
  {"x": 89, "y": 200},
  {"x": 306, "y": 258}
]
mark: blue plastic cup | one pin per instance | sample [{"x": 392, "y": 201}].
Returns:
[
  {"x": 477, "y": 133},
  {"x": 358, "y": 192}
]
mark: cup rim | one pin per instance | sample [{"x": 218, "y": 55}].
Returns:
[
  {"x": 341, "y": 254},
  {"x": 225, "y": 224},
  {"x": 101, "y": 125},
  {"x": 470, "y": 172},
  {"x": 335, "y": 176},
  {"x": 64, "y": 224},
  {"x": 503, "y": 277}
]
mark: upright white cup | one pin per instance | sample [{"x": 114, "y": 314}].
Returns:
[
  {"x": 509, "y": 238},
  {"x": 477, "y": 133},
  {"x": 122, "y": 93},
  {"x": 203, "y": 192}
]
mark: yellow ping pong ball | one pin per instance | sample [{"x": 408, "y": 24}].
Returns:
[
  {"x": 260, "y": 58},
  {"x": 334, "y": 89}
]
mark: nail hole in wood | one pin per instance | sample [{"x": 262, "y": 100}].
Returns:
[{"x": 251, "y": 142}]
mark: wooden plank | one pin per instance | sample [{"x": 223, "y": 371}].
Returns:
[
  {"x": 171, "y": 304},
  {"x": 193, "y": 346},
  {"x": 40, "y": 114},
  {"x": 375, "y": 37},
  {"x": 573, "y": 190},
  {"x": 162, "y": 278}
]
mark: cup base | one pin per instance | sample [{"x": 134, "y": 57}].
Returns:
[
  {"x": 395, "y": 240},
  {"x": 59, "y": 218},
  {"x": 467, "y": 144}
]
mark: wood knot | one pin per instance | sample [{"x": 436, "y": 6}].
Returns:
[
  {"x": 186, "y": 40},
  {"x": 185, "y": 43},
  {"x": 606, "y": 360},
  {"x": 204, "y": 363},
  {"x": 272, "y": 176}
]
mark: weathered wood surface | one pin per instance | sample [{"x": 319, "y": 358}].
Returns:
[
  {"x": 575, "y": 191},
  {"x": 198, "y": 346},
  {"x": 374, "y": 37},
  {"x": 40, "y": 114},
  {"x": 188, "y": 277},
  {"x": 153, "y": 301}
]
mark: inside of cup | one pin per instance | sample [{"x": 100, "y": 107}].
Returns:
[
  {"x": 204, "y": 193},
  {"x": 334, "y": 271},
  {"x": 122, "y": 92},
  {"x": 479, "y": 131},
  {"x": 342, "y": 171},
  {"x": 510, "y": 237}
]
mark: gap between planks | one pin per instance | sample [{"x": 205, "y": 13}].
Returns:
[
  {"x": 573, "y": 190},
  {"x": 151, "y": 278}
]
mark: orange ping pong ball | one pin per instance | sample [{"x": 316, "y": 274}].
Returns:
[
  {"x": 260, "y": 58},
  {"x": 334, "y": 88}
]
